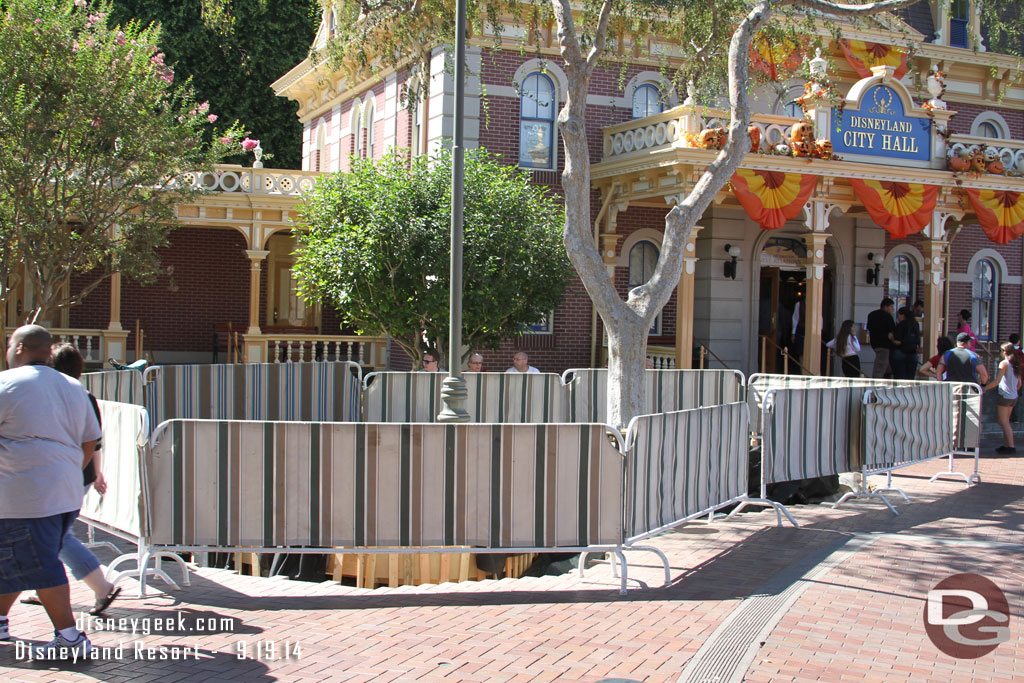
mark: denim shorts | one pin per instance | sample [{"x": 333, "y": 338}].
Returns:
[{"x": 29, "y": 551}]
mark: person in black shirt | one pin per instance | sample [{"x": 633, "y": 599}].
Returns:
[
  {"x": 906, "y": 342},
  {"x": 881, "y": 330}
]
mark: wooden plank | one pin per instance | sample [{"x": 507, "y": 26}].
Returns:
[
  {"x": 444, "y": 575},
  {"x": 393, "y": 576},
  {"x": 463, "y": 567},
  {"x": 371, "y": 571},
  {"x": 254, "y": 569},
  {"x": 424, "y": 569}
]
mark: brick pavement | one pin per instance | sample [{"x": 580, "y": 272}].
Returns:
[{"x": 859, "y": 620}]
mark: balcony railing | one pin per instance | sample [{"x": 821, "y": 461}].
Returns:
[
  {"x": 1010, "y": 152},
  {"x": 296, "y": 348},
  {"x": 231, "y": 178},
  {"x": 670, "y": 127}
]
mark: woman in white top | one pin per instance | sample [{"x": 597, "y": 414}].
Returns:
[
  {"x": 1008, "y": 380},
  {"x": 847, "y": 346}
]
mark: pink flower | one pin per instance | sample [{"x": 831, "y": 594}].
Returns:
[
  {"x": 157, "y": 59},
  {"x": 248, "y": 144},
  {"x": 167, "y": 76},
  {"x": 80, "y": 3},
  {"x": 120, "y": 38},
  {"x": 204, "y": 107},
  {"x": 39, "y": 21},
  {"x": 212, "y": 118},
  {"x": 90, "y": 42},
  {"x": 96, "y": 122},
  {"x": 227, "y": 140}
]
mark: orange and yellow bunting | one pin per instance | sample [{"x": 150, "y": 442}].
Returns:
[
  {"x": 1000, "y": 212},
  {"x": 862, "y": 56},
  {"x": 772, "y": 56},
  {"x": 901, "y": 208},
  {"x": 772, "y": 197}
]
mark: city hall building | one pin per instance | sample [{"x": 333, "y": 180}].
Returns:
[{"x": 909, "y": 190}]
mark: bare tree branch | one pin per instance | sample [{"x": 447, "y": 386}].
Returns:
[{"x": 600, "y": 36}]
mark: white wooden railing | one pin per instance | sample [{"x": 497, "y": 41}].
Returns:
[
  {"x": 1010, "y": 152},
  {"x": 89, "y": 342},
  {"x": 670, "y": 127},
  {"x": 292, "y": 348},
  {"x": 231, "y": 178}
]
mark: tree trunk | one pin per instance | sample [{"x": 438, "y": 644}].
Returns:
[{"x": 627, "y": 386}]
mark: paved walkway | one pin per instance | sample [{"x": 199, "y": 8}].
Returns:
[{"x": 842, "y": 598}]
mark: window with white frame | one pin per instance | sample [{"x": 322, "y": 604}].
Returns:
[
  {"x": 545, "y": 325},
  {"x": 357, "y": 130},
  {"x": 959, "y": 21},
  {"x": 537, "y": 122},
  {"x": 901, "y": 281},
  {"x": 417, "y": 111},
  {"x": 643, "y": 257},
  {"x": 368, "y": 124},
  {"x": 647, "y": 101},
  {"x": 987, "y": 129},
  {"x": 983, "y": 299}
]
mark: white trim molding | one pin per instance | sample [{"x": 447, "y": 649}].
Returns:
[{"x": 996, "y": 120}]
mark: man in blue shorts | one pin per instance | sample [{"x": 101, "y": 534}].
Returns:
[{"x": 47, "y": 435}]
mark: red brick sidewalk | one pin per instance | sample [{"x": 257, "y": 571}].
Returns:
[{"x": 860, "y": 620}]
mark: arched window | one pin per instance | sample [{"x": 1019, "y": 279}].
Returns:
[
  {"x": 537, "y": 122},
  {"x": 983, "y": 299},
  {"x": 987, "y": 129},
  {"x": 959, "y": 18},
  {"x": 643, "y": 256},
  {"x": 357, "y": 129},
  {"x": 368, "y": 125},
  {"x": 417, "y": 110},
  {"x": 901, "y": 281},
  {"x": 793, "y": 110},
  {"x": 647, "y": 101}
]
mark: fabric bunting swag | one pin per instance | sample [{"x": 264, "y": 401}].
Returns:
[
  {"x": 901, "y": 208},
  {"x": 1000, "y": 212},
  {"x": 862, "y": 56},
  {"x": 772, "y": 197},
  {"x": 771, "y": 57}
]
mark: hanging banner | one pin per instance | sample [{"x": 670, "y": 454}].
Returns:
[
  {"x": 772, "y": 197},
  {"x": 901, "y": 208},
  {"x": 861, "y": 56},
  {"x": 771, "y": 57},
  {"x": 1000, "y": 212}
]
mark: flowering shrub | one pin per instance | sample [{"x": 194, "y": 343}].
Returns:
[{"x": 94, "y": 132}]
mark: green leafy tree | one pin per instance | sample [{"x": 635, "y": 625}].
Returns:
[
  {"x": 233, "y": 50},
  {"x": 376, "y": 246},
  {"x": 93, "y": 139}
]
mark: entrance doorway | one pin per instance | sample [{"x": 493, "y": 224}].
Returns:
[{"x": 781, "y": 307}]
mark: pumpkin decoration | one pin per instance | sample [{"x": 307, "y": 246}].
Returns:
[
  {"x": 958, "y": 164},
  {"x": 823, "y": 148},
  {"x": 712, "y": 138},
  {"x": 996, "y": 167},
  {"x": 802, "y": 131},
  {"x": 802, "y": 148},
  {"x": 782, "y": 148},
  {"x": 755, "y": 137},
  {"x": 978, "y": 164}
]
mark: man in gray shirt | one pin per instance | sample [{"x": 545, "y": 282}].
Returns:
[
  {"x": 961, "y": 364},
  {"x": 47, "y": 435}
]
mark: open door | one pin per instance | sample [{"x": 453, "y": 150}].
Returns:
[{"x": 768, "y": 321}]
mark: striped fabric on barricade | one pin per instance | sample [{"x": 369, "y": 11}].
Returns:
[
  {"x": 814, "y": 426},
  {"x": 385, "y": 487},
  {"x": 123, "y": 510},
  {"x": 683, "y": 465},
  {"x": 122, "y": 386},
  {"x": 667, "y": 391},
  {"x": 499, "y": 397},
  {"x": 314, "y": 391}
]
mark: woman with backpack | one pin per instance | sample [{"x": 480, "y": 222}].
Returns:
[{"x": 906, "y": 342}]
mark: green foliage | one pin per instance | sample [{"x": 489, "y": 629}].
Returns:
[
  {"x": 377, "y": 248},
  {"x": 92, "y": 137},
  {"x": 233, "y": 50}
]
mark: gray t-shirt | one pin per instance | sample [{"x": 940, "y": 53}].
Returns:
[{"x": 45, "y": 417}]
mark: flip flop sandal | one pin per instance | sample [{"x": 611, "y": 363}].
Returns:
[
  {"x": 31, "y": 600},
  {"x": 103, "y": 603}
]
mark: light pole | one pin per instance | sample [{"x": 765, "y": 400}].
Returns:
[{"x": 453, "y": 392}]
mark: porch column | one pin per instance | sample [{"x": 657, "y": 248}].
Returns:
[
  {"x": 115, "y": 338},
  {"x": 934, "y": 269},
  {"x": 253, "y": 345},
  {"x": 684, "y": 304},
  {"x": 812, "y": 301}
]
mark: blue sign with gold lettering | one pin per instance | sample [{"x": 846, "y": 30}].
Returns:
[{"x": 881, "y": 128}]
